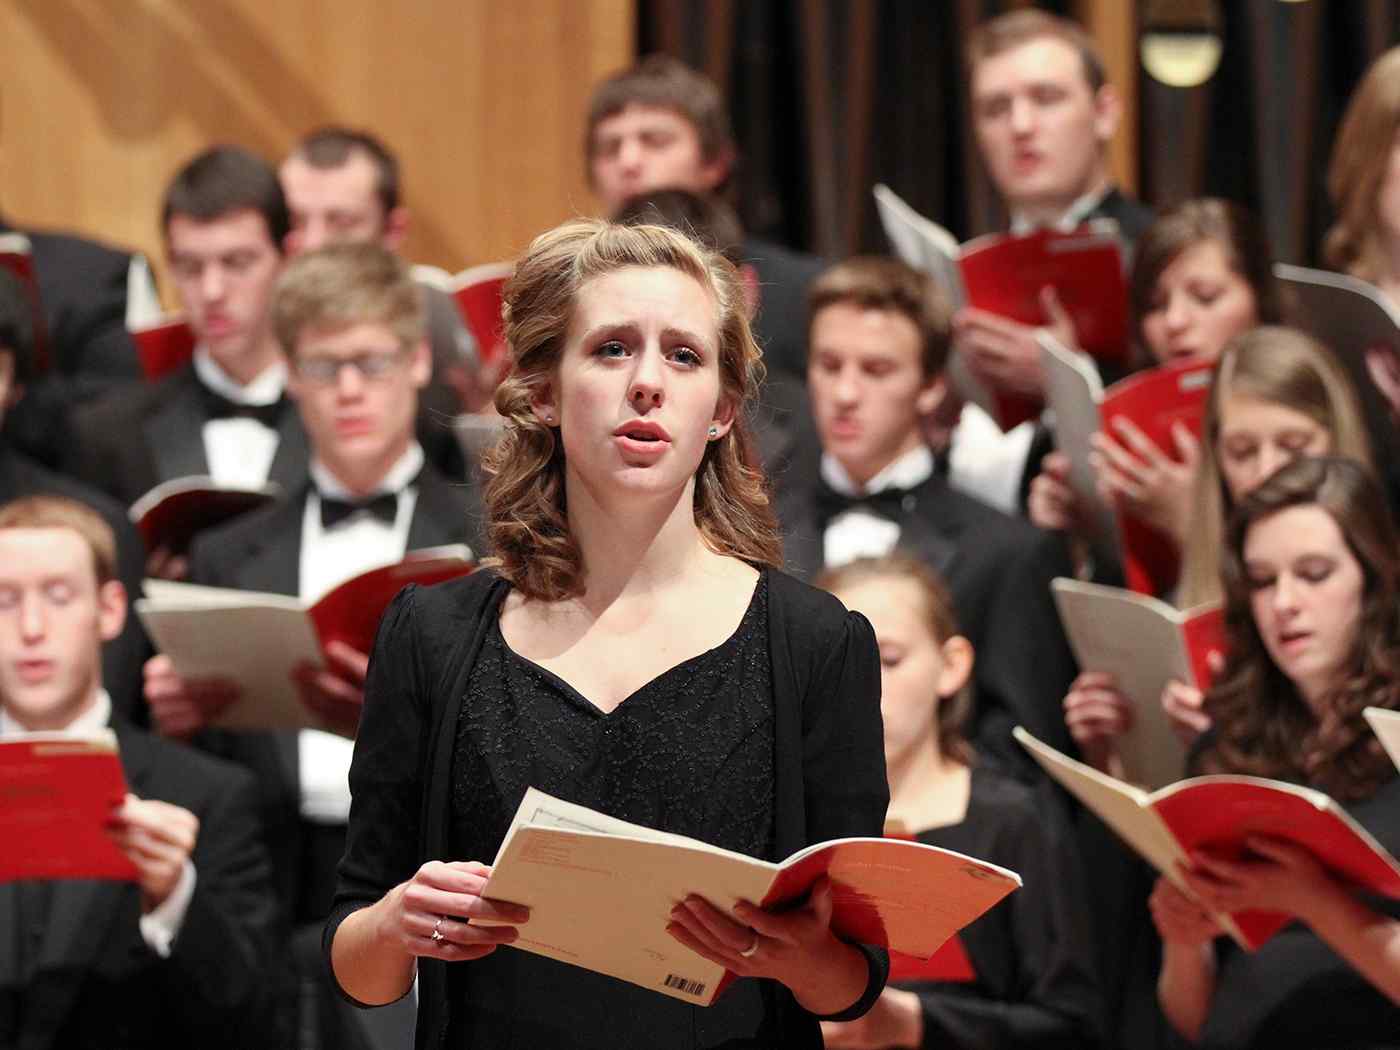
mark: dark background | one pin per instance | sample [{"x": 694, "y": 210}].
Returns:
[{"x": 829, "y": 97}]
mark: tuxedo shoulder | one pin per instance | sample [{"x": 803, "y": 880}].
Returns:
[
  {"x": 252, "y": 529},
  {"x": 762, "y": 253},
  {"x": 130, "y": 402},
  {"x": 75, "y": 252},
  {"x": 32, "y": 479},
  {"x": 178, "y": 773}
]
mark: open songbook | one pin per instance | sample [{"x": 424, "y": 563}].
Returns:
[
  {"x": 57, "y": 794},
  {"x": 1386, "y": 725},
  {"x": 1219, "y": 814},
  {"x": 1144, "y": 643},
  {"x": 165, "y": 346},
  {"x": 600, "y": 892},
  {"x": 1154, "y": 400},
  {"x": 1004, "y": 274},
  {"x": 257, "y": 640},
  {"x": 172, "y": 513}
]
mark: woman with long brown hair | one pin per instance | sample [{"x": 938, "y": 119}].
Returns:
[
  {"x": 1312, "y": 586},
  {"x": 631, "y": 648}
]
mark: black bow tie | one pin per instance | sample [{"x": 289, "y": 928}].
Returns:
[
  {"x": 892, "y": 503},
  {"x": 216, "y": 406},
  {"x": 385, "y": 507}
]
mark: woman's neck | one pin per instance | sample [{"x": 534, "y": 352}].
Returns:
[
  {"x": 927, "y": 790},
  {"x": 634, "y": 545}
]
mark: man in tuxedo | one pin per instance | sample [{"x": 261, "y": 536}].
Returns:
[
  {"x": 182, "y": 956},
  {"x": 22, "y": 476},
  {"x": 879, "y": 342},
  {"x": 225, "y": 414},
  {"x": 662, "y": 125},
  {"x": 1044, "y": 114},
  {"x": 350, "y": 321},
  {"x": 343, "y": 186}
]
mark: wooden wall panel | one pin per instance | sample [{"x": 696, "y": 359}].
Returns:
[{"x": 482, "y": 99}]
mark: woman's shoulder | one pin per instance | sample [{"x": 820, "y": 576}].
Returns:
[
  {"x": 442, "y": 615},
  {"x": 805, "y": 607}
]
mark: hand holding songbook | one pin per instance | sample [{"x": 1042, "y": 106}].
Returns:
[
  {"x": 335, "y": 693},
  {"x": 180, "y": 706},
  {"x": 158, "y": 837},
  {"x": 1006, "y": 354}
]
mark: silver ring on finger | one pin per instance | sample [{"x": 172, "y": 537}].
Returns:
[
  {"x": 747, "y": 953},
  {"x": 436, "y": 935}
]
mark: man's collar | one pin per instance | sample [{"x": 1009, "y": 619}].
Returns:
[
  {"x": 396, "y": 478},
  {"x": 1076, "y": 215},
  {"x": 266, "y": 389},
  {"x": 94, "y": 718},
  {"x": 906, "y": 472}
]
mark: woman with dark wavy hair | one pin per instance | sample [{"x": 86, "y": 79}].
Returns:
[
  {"x": 630, "y": 647},
  {"x": 1312, "y": 585}
]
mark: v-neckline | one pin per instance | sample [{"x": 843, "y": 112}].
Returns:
[{"x": 577, "y": 695}]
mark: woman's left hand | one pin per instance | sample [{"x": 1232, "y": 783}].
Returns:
[
  {"x": 1280, "y": 876},
  {"x": 1147, "y": 480},
  {"x": 796, "y": 947},
  {"x": 896, "y": 1020}
]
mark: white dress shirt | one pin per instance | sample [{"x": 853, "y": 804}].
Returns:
[
  {"x": 329, "y": 557},
  {"x": 240, "y": 451},
  {"x": 858, "y": 533},
  {"x": 1073, "y": 217},
  {"x": 162, "y": 924}
]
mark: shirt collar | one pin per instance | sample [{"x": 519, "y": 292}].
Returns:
[
  {"x": 266, "y": 389},
  {"x": 1071, "y": 218},
  {"x": 396, "y": 478},
  {"x": 90, "y": 721},
  {"x": 906, "y": 472}
]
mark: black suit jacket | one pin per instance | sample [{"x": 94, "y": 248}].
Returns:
[
  {"x": 141, "y": 435},
  {"x": 998, "y": 569},
  {"x": 123, "y": 656},
  {"x": 780, "y": 326},
  {"x": 99, "y": 985},
  {"x": 261, "y": 551},
  {"x": 1132, "y": 216}
]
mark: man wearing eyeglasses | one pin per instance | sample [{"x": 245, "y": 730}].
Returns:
[{"x": 349, "y": 319}]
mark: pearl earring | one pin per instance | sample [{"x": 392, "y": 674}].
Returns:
[
  {"x": 549, "y": 419},
  {"x": 714, "y": 433}
]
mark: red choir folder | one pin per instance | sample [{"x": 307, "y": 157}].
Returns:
[
  {"x": 600, "y": 891},
  {"x": 257, "y": 640},
  {"x": 16, "y": 257},
  {"x": 477, "y": 292},
  {"x": 172, "y": 513},
  {"x": 57, "y": 793},
  {"x": 1154, "y": 400},
  {"x": 1218, "y": 814},
  {"x": 164, "y": 347},
  {"x": 1004, "y": 274},
  {"x": 950, "y": 965}
]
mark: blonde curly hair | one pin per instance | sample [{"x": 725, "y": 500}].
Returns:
[{"x": 527, "y": 516}]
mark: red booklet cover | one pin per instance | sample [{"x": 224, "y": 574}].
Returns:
[
  {"x": 1219, "y": 814},
  {"x": 172, "y": 513},
  {"x": 950, "y": 964},
  {"x": 57, "y": 794},
  {"x": 164, "y": 347},
  {"x": 1155, "y": 400},
  {"x": 1004, "y": 274},
  {"x": 477, "y": 292},
  {"x": 350, "y": 613}
]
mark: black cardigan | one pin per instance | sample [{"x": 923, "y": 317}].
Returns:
[{"x": 828, "y": 756}]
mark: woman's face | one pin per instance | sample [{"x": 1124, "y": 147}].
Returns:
[
  {"x": 916, "y": 670},
  {"x": 1257, "y": 437},
  {"x": 637, "y": 388},
  {"x": 1306, "y": 592},
  {"x": 1198, "y": 305}
]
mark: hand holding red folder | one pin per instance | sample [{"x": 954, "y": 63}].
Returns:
[
  {"x": 1005, "y": 353},
  {"x": 336, "y": 692},
  {"x": 158, "y": 838}
]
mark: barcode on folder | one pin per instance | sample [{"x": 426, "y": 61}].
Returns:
[{"x": 682, "y": 985}]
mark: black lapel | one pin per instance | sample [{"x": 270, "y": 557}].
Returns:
[
  {"x": 175, "y": 431},
  {"x": 273, "y": 563},
  {"x": 932, "y": 528},
  {"x": 442, "y": 513},
  {"x": 288, "y": 467}
]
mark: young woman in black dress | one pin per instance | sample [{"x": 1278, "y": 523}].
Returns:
[
  {"x": 1312, "y": 585},
  {"x": 631, "y": 648},
  {"x": 1030, "y": 980}
]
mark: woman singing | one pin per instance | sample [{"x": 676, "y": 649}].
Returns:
[{"x": 632, "y": 649}]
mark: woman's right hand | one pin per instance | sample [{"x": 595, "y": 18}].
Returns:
[
  {"x": 1180, "y": 920},
  {"x": 441, "y": 897},
  {"x": 1051, "y": 503},
  {"x": 1185, "y": 707},
  {"x": 1097, "y": 714},
  {"x": 179, "y": 706}
]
